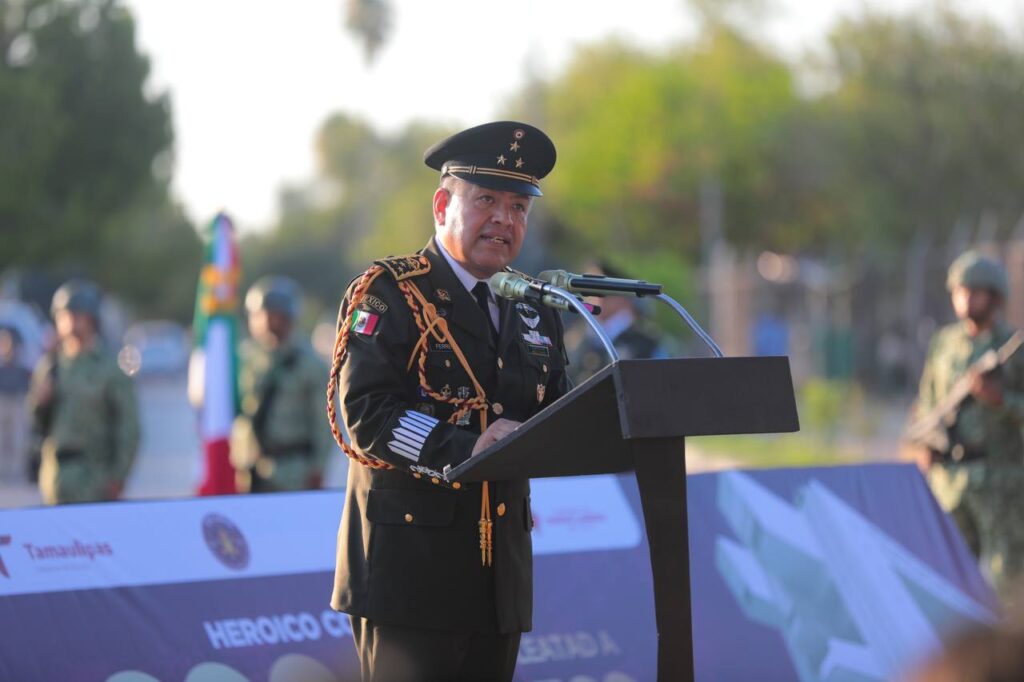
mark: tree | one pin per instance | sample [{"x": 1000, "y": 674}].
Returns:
[
  {"x": 927, "y": 110},
  {"x": 79, "y": 143}
]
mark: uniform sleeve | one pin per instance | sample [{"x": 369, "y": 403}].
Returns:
[
  {"x": 1013, "y": 386},
  {"x": 927, "y": 396},
  {"x": 323, "y": 440},
  {"x": 378, "y": 395},
  {"x": 126, "y": 426},
  {"x": 40, "y": 411}
]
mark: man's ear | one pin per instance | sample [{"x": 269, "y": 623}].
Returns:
[{"x": 441, "y": 199}]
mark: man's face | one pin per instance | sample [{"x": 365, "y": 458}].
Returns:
[
  {"x": 270, "y": 327},
  {"x": 977, "y": 305},
  {"x": 75, "y": 324},
  {"x": 481, "y": 228}
]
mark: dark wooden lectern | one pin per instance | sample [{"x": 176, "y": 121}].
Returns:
[{"x": 635, "y": 415}]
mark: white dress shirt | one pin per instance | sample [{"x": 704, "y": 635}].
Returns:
[{"x": 469, "y": 281}]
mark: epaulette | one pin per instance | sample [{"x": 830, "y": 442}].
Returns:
[{"x": 404, "y": 267}]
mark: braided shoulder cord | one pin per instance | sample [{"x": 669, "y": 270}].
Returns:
[
  {"x": 340, "y": 347},
  {"x": 429, "y": 322}
]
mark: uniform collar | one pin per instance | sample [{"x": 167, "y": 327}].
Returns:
[{"x": 465, "y": 276}]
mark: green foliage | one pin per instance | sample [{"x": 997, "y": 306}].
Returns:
[
  {"x": 638, "y": 133},
  {"x": 78, "y": 143},
  {"x": 912, "y": 124},
  {"x": 926, "y": 110},
  {"x": 377, "y": 203}
]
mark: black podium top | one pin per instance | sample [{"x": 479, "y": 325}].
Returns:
[{"x": 589, "y": 429}]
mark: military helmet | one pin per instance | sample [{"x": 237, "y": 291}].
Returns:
[
  {"x": 78, "y": 296},
  {"x": 274, "y": 294},
  {"x": 975, "y": 271}
]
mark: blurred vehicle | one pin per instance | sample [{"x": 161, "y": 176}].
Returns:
[
  {"x": 33, "y": 330},
  {"x": 155, "y": 348}
]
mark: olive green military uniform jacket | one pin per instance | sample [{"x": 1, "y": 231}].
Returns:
[
  {"x": 92, "y": 431},
  {"x": 282, "y": 430},
  {"x": 408, "y": 546},
  {"x": 984, "y": 431}
]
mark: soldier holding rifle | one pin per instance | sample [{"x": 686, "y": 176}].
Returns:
[{"x": 969, "y": 414}]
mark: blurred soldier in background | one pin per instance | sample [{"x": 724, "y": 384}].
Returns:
[
  {"x": 14, "y": 382},
  {"x": 281, "y": 440},
  {"x": 978, "y": 474},
  {"x": 623, "y": 322},
  {"x": 84, "y": 415}
]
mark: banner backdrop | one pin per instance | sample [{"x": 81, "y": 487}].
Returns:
[{"x": 813, "y": 574}]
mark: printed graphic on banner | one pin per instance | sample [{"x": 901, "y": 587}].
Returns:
[
  {"x": 885, "y": 606},
  {"x": 581, "y": 515},
  {"x": 225, "y": 541},
  {"x": 859, "y": 559}
]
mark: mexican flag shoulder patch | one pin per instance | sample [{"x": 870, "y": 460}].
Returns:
[{"x": 364, "y": 322}]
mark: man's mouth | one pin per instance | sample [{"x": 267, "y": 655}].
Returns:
[{"x": 495, "y": 239}]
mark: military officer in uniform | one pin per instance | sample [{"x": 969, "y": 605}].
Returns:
[
  {"x": 622, "y": 321},
  {"x": 281, "y": 439},
  {"x": 980, "y": 478},
  {"x": 84, "y": 414},
  {"x": 431, "y": 369}
]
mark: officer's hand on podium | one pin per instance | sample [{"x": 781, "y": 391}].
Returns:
[{"x": 493, "y": 434}]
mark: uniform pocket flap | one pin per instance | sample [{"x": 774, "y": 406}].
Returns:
[{"x": 410, "y": 507}]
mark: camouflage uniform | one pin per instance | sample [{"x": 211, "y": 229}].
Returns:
[
  {"x": 282, "y": 394},
  {"x": 93, "y": 426},
  {"x": 281, "y": 440},
  {"x": 980, "y": 481},
  {"x": 633, "y": 342}
]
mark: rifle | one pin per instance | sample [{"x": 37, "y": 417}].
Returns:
[{"x": 932, "y": 429}]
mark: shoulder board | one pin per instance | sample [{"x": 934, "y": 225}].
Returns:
[{"x": 404, "y": 267}]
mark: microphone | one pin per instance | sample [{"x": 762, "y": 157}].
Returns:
[
  {"x": 598, "y": 285},
  {"x": 510, "y": 285}
]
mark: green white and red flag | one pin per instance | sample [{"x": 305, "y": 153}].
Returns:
[{"x": 213, "y": 370}]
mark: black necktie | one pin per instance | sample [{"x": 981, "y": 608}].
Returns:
[{"x": 482, "y": 294}]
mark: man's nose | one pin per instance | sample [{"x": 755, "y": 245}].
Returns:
[{"x": 502, "y": 213}]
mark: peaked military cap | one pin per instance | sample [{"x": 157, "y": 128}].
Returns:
[{"x": 504, "y": 155}]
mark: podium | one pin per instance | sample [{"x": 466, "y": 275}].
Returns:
[{"x": 634, "y": 415}]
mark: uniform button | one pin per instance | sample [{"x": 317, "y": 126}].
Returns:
[
  {"x": 501, "y": 363},
  {"x": 497, "y": 408},
  {"x": 417, "y": 475},
  {"x": 435, "y": 481},
  {"x": 501, "y": 509},
  {"x": 447, "y": 363},
  {"x": 456, "y": 485},
  {"x": 545, "y": 368},
  {"x": 408, "y": 518}
]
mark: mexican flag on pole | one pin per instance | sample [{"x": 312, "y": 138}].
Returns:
[{"x": 213, "y": 370}]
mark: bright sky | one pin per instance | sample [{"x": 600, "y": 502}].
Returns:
[{"x": 251, "y": 82}]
